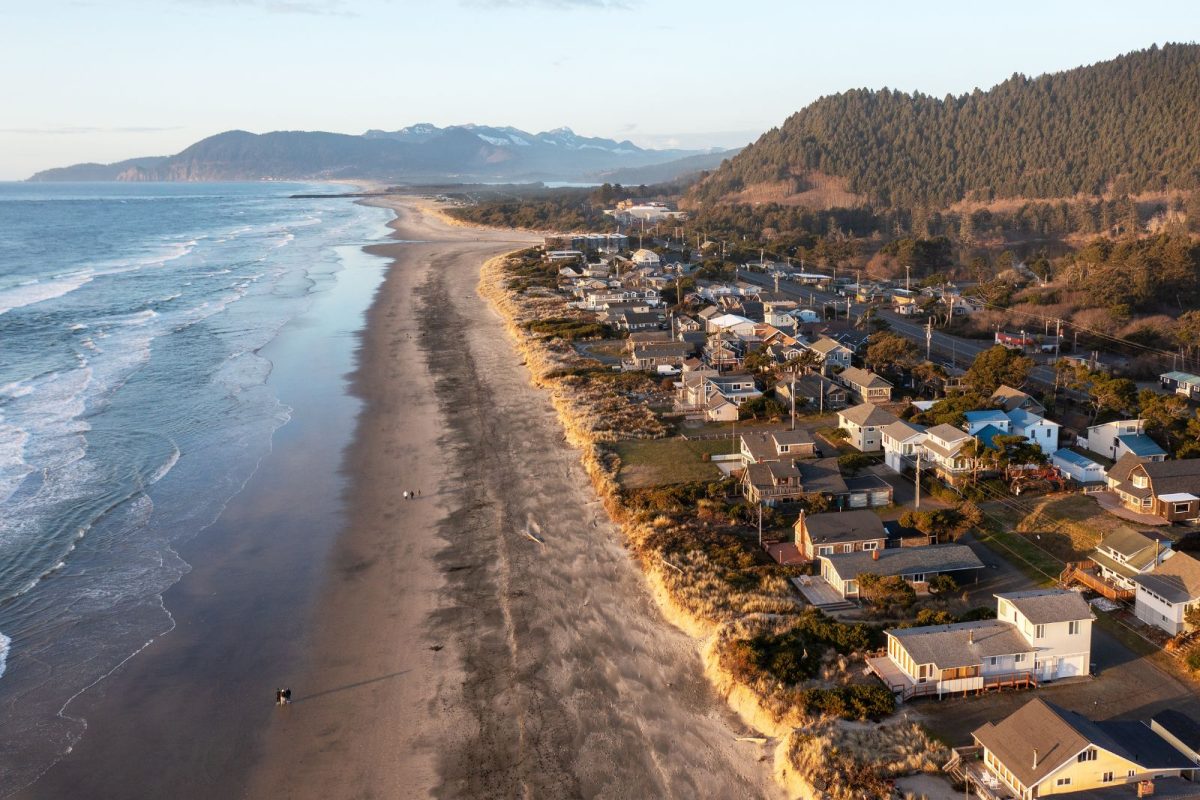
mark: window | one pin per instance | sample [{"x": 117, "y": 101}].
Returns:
[
  {"x": 847, "y": 548},
  {"x": 1183, "y": 508},
  {"x": 1072, "y": 627},
  {"x": 1019, "y": 658},
  {"x": 824, "y": 551},
  {"x": 1140, "y": 481},
  {"x": 870, "y": 545},
  {"x": 1087, "y": 755},
  {"x": 1131, "y": 773},
  {"x": 1063, "y": 782},
  {"x": 1040, "y": 632},
  {"x": 1107, "y": 777},
  {"x": 992, "y": 661}
]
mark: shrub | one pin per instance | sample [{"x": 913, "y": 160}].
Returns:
[
  {"x": 853, "y": 462},
  {"x": 855, "y": 701},
  {"x": 1193, "y": 659},
  {"x": 942, "y": 584},
  {"x": 891, "y": 590}
]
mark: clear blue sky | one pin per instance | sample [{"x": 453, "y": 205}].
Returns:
[{"x": 102, "y": 80}]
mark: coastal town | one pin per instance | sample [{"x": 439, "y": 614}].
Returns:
[{"x": 974, "y": 539}]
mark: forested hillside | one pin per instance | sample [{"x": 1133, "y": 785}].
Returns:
[{"x": 1119, "y": 127}]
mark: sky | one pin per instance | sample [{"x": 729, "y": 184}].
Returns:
[{"x": 105, "y": 80}]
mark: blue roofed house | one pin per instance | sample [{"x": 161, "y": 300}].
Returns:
[
  {"x": 987, "y": 436},
  {"x": 1115, "y": 439},
  {"x": 978, "y": 420},
  {"x": 1079, "y": 468},
  {"x": 1184, "y": 383}
]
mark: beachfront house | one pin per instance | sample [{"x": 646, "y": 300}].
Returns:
[
  {"x": 1036, "y": 429},
  {"x": 839, "y": 532},
  {"x": 1079, "y": 468},
  {"x": 757, "y": 447},
  {"x": 865, "y": 386},
  {"x": 943, "y": 449},
  {"x": 916, "y": 565},
  {"x": 1044, "y": 750},
  {"x": 864, "y": 425},
  {"x": 1166, "y": 489},
  {"x": 1181, "y": 383},
  {"x": 1114, "y": 439},
  {"x": 1038, "y": 636},
  {"x": 1124, "y": 554},
  {"x": 1165, "y": 593}
]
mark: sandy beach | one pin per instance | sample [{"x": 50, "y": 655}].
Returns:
[{"x": 433, "y": 648}]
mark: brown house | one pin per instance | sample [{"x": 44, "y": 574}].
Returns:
[
  {"x": 1167, "y": 489},
  {"x": 839, "y": 532}
]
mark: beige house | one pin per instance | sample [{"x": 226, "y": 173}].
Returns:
[
  {"x": 864, "y": 425},
  {"x": 866, "y": 385}
]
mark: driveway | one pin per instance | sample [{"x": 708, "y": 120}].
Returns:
[{"x": 904, "y": 492}]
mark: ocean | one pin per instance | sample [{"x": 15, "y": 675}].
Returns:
[{"x": 134, "y": 404}]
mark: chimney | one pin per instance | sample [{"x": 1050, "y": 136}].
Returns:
[
  {"x": 1145, "y": 788},
  {"x": 1035, "y": 758},
  {"x": 875, "y": 555}
]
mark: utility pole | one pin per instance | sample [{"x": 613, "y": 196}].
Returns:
[
  {"x": 917, "y": 501},
  {"x": 760, "y": 524},
  {"x": 907, "y": 278},
  {"x": 793, "y": 395},
  {"x": 928, "y": 337}
]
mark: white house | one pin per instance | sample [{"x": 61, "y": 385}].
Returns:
[
  {"x": 1165, "y": 593},
  {"x": 646, "y": 258},
  {"x": 943, "y": 447},
  {"x": 901, "y": 441},
  {"x": 1125, "y": 553},
  {"x": 1039, "y": 635},
  {"x": 1036, "y": 429},
  {"x": 1078, "y": 467},
  {"x": 915, "y": 565},
  {"x": 978, "y": 420},
  {"x": 864, "y": 425},
  {"x": 732, "y": 322},
  {"x": 1115, "y": 439}
]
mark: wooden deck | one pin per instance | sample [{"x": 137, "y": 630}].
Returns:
[{"x": 1084, "y": 573}]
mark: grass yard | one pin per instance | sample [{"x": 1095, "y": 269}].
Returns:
[
  {"x": 659, "y": 462},
  {"x": 1066, "y": 526}
]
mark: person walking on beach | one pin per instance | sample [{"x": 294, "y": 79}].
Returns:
[
  {"x": 405, "y": 495},
  {"x": 279, "y": 697},
  {"x": 287, "y": 696}
]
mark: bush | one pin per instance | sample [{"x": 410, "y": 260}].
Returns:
[
  {"x": 1193, "y": 659},
  {"x": 942, "y": 584},
  {"x": 851, "y": 463},
  {"x": 886, "y": 591},
  {"x": 855, "y": 701}
]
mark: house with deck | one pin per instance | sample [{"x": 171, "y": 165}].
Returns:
[
  {"x": 943, "y": 450},
  {"x": 864, "y": 425},
  {"x": 1038, "y": 636},
  {"x": 901, "y": 442},
  {"x": 1124, "y": 554},
  {"x": 831, "y": 352},
  {"x": 1164, "y": 594},
  {"x": 1167, "y": 489},
  {"x": 916, "y": 565},
  {"x": 809, "y": 391},
  {"x": 1181, "y": 383},
  {"x": 1044, "y": 750},
  {"x": 757, "y": 447}
]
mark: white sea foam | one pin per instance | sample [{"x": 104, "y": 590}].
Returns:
[
  {"x": 5, "y": 643},
  {"x": 32, "y": 292}
]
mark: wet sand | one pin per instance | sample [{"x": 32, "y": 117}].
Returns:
[{"x": 433, "y": 649}]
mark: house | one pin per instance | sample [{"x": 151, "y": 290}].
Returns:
[
  {"x": 1037, "y": 636},
  {"x": 636, "y": 320},
  {"x": 1078, "y": 467},
  {"x": 865, "y": 385},
  {"x": 810, "y": 388},
  {"x": 1010, "y": 399},
  {"x": 1125, "y": 553},
  {"x": 1115, "y": 439},
  {"x": 1183, "y": 383},
  {"x": 978, "y": 420},
  {"x": 839, "y": 532},
  {"x": 832, "y": 353},
  {"x": 651, "y": 354},
  {"x": 1166, "y": 592},
  {"x": 916, "y": 565},
  {"x": 901, "y": 442},
  {"x": 646, "y": 258},
  {"x": 1167, "y": 489},
  {"x": 1036, "y": 429},
  {"x": 733, "y": 323},
  {"x": 771, "y": 482},
  {"x": 1042, "y": 749},
  {"x": 943, "y": 448},
  {"x": 760, "y": 447},
  {"x": 864, "y": 424}
]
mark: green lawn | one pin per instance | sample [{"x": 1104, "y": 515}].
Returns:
[{"x": 659, "y": 462}]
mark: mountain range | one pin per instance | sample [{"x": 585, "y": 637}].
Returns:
[
  {"x": 1126, "y": 126},
  {"x": 418, "y": 152}
]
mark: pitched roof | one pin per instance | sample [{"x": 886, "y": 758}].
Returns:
[
  {"x": 766, "y": 444},
  {"x": 1179, "y": 725},
  {"x": 1046, "y": 606},
  {"x": 1009, "y": 398},
  {"x": 1123, "y": 466},
  {"x": 863, "y": 378},
  {"x": 985, "y": 416},
  {"x": 948, "y": 433},
  {"x": 1058, "y": 735},
  {"x": 1177, "y": 579},
  {"x": 906, "y": 560},
  {"x": 1024, "y": 419},
  {"x": 865, "y": 414},
  {"x": 822, "y": 476},
  {"x": 843, "y": 526},
  {"x": 988, "y": 433},
  {"x": 962, "y": 644},
  {"x": 1071, "y": 457},
  {"x": 825, "y": 345},
  {"x": 902, "y": 431},
  {"x": 1178, "y": 476},
  {"x": 1137, "y": 547},
  {"x": 1141, "y": 445}
]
